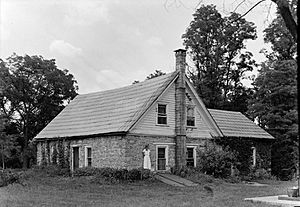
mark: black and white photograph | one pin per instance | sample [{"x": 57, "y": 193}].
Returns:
[{"x": 141, "y": 103}]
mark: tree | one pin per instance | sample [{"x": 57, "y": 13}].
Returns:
[
  {"x": 288, "y": 11},
  {"x": 274, "y": 103},
  {"x": 34, "y": 91},
  {"x": 156, "y": 73},
  {"x": 217, "y": 48}
]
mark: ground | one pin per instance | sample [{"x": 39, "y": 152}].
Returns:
[{"x": 41, "y": 190}]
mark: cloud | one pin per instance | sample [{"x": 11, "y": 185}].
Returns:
[
  {"x": 85, "y": 13},
  {"x": 64, "y": 48},
  {"x": 154, "y": 41}
]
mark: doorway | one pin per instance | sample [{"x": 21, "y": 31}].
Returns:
[{"x": 75, "y": 158}]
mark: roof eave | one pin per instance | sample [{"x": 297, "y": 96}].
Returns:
[{"x": 120, "y": 133}]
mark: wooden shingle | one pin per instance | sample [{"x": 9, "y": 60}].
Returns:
[
  {"x": 107, "y": 111},
  {"x": 235, "y": 124}
]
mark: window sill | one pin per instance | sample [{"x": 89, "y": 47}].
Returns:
[
  {"x": 162, "y": 125},
  {"x": 191, "y": 127}
]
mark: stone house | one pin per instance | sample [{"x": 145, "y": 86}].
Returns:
[{"x": 110, "y": 128}]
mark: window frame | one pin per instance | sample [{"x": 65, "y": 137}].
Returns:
[
  {"x": 194, "y": 153},
  {"x": 166, "y": 147},
  {"x": 187, "y": 117},
  {"x": 86, "y": 159},
  {"x": 162, "y": 115}
]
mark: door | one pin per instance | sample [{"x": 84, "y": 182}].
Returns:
[
  {"x": 161, "y": 158},
  {"x": 75, "y": 158}
]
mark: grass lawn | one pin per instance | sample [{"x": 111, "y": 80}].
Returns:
[{"x": 42, "y": 190}]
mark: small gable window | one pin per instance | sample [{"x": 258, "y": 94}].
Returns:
[
  {"x": 162, "y": 114},
  {"x": 190, "y": 121}
]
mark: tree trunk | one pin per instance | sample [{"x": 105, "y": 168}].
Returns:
[
  {"x": 285, "y": 12},
  {"x": 25, "y": 155}
]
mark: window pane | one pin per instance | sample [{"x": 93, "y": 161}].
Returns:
[
  {"x": 89, "y": 152},
  {"x": 89, "y": 162},
  {"x": 162, "y": 109},
  {"x": 190, "y": 111},
  {"x": 161, "y": 152},
  {"x": 190, "y": 157},
  {"x": 161, "y": 120},
  {"x": 190, "y": 121}
]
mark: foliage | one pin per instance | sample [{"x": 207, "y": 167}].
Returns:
[
  {"x": 157, "y": 73},
  {"x": 54, "y": 155},
  {"x": 52, "y": 170},
  {"x": 274, "y": 104},
  {"x": 61, "y": 153},
  {"x": 242, "y": 148},
  {"x": 113, "y": 174},
  {"x": 33, "y": 92},
  {"x": 9, "y": 177},
  {"x": 260, "y": 174},
  {"x": 9, "y": 149},
  {"x": 215, "y": 160},
  {"x": 216, "y": 45}
]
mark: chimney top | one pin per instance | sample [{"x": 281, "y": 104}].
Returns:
[
  {"x": 180, "y": 50},
  {"x": 180, "y": 64}
]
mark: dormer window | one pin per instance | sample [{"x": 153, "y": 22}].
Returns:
[
  {"x": 162, "y": 114},
  {"x": 190, "y": 121}
]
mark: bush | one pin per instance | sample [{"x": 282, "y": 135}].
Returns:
[
  {"x": 215, "y": 160},
  {"x": 260, "y": 174},
  {"x": 9, "y": 177},
  {"x": 86, "y": 171},
  {"x": 112, "y": 175},
  {"x": 53, "y": 170}
]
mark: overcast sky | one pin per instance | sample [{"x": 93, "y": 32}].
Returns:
[{"x": 107, "y": 44}]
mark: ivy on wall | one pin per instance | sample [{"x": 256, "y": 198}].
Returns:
[
  {"x": 54, "y": 154},
  {"x": 43, "y": 151},
  {"x": 243, "y": 149}
]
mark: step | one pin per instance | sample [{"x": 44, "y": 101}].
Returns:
[
  {"x": 178, "y": 179},
  {"x": 168, "y": 181}
]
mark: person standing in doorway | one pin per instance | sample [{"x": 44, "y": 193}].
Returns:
[{"x": 146, "y": 155}]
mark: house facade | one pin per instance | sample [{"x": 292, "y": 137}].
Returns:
[{"x": 111, "y": 128}]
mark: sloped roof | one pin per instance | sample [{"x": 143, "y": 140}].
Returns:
[
  {"x": 106, "y": 111},
  {"x": 235, "y": 124}
]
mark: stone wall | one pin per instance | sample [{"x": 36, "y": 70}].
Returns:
[
  {"x": 136, "y": 143},
  {"x": 107, "y": 151},
  {"x": 115, "y": 151}
]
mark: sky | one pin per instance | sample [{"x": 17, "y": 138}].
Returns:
[{"x": 108, "y": 44}]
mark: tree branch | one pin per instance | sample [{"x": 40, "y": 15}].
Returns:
[
  {"x": 248, "y": 10},
  {"x": 285, "y": 12}
]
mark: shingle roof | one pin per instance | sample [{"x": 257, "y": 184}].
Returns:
[
  {"x": 235, "y": 124},
  {"x": 107, "y": 111}
]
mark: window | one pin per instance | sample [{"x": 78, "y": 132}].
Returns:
[
  {"x": 190, "y": 158},
  {"x": 190, "y": 121},
  {"x": 162, "y": 157},
  {"x": 162, "y": 114},
  {"x": 88, "y": 156}
]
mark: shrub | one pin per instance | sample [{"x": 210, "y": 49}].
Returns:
[
  {"x": 261, "y": 174},
  {"x": 9, "y": 177},
  {"x": 53, "y": 170},
  {"x": 215, "y": 160},
  {"x": 112, "y": 175},
  {"x": 85, "y": 171}
]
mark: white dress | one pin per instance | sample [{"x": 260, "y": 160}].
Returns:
[{"x": 147, "y": 162}]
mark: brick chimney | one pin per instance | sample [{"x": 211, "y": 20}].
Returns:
[{"x": 180, "y": 111}]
